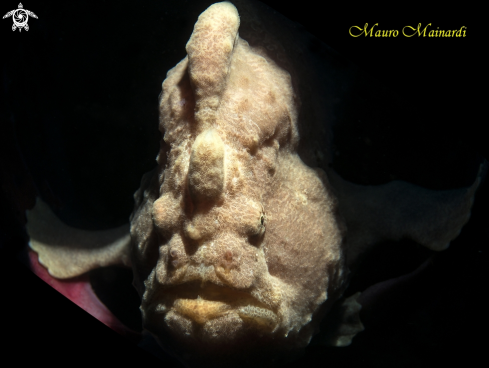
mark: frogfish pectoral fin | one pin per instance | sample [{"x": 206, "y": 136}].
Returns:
[
  {"x": 400, "y": 210},
  {"x": 68, "y": 252}
]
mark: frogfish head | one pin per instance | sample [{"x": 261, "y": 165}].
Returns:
[{"x": 237, "y": 246}]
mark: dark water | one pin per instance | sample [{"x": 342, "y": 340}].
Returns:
[{"x": 79, "y": 120}]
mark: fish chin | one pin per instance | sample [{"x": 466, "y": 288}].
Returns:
[
  {"x": 208, "y": 333},
  {"x": 208, "y": 307},
  {"x": 204, "y": 321}
]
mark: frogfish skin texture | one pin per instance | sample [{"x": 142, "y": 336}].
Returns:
[
  {"x": 222, "y": 223},
  {"x": 243, "y": 238}
]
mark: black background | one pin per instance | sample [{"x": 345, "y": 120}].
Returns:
[{"x": 79, "y": 115}]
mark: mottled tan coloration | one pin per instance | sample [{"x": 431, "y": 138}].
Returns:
[
  {"x": 239, "y": 247},
  {"x": 210, "y": 50},
  {"x": 399, "y": 210},
  {"x": 53, "y": 241},
  {"x": 206, "y": 167},
  {"x": 251, "y": 245},
  {"x": 235, "y": 203}
]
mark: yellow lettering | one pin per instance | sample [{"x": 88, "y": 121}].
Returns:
[
  {"x": 371, "y": 29},
  {"x": 404, "y": 33},
  {"x": 409, "y": 31},
  {"x": 424, "y": 30},
  {"x": 388, "y": 33},
  {"x": 358, "y": 28},
  {"x": 459, "y": 32},
  {"x": 363, "y": 30}
]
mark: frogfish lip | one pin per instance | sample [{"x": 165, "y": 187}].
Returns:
[{"x": 201, "y": 303}]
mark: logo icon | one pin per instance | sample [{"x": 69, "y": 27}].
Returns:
[{"x": 20, "y": 17}]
